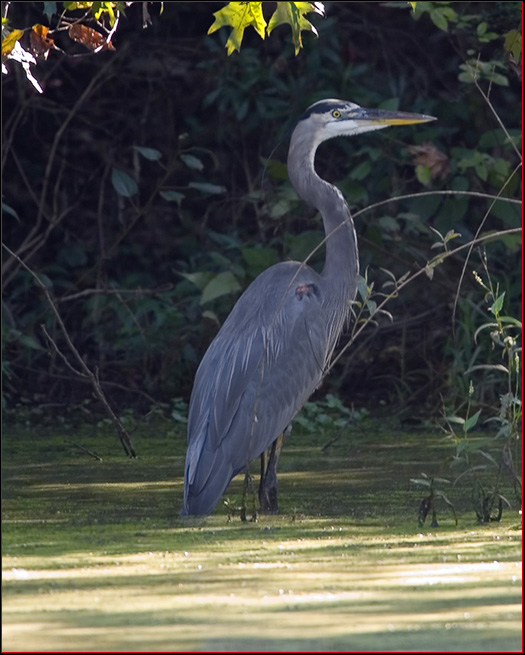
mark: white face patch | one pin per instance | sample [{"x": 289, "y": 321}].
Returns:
[{"x": 348, "y": 127}]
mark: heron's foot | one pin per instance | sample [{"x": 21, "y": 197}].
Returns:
[{"x": 248, "y": 499}]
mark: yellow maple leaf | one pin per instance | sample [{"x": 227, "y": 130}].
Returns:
[
  {"x": 292, "y": 13},
  {"x": 9, "y": 42},
  {"x": 239, "y": 16}
]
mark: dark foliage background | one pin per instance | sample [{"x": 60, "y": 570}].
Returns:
[{"x": 217, "y": 120}]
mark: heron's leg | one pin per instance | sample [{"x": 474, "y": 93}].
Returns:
[
  {"x": 248, "y": 494},
  {"x": 269, "y": 486}
]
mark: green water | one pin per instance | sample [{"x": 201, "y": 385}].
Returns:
[{"x": 96, "y": 557}]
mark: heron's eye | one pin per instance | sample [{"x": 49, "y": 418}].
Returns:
[{"x": 336, "y": 113}]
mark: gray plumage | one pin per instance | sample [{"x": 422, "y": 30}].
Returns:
[{"x": 274, "y": 348}]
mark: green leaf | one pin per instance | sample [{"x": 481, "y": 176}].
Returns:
[
  {"x": 481, "y": 170},
  {"x": 455, "y": 419},
  {"x": 199, "y": 279},
  {"x": 205, "y": 187},
  {"x": 258, "y": 259},
  {"x": 361, "y": 171},
  {"x": 497, "y": 305},
  {"x": 481, "y": 29},
  {"x": 292, "y": 13},
  {"x": 123, "y": 184},
  {"x": 28, "y": 341},
  {"x": 280, "y": 208},
  {"x": 513, "y": 44},
  {"x": 239, "y": 16},
  {"x": 180, "y": 418},
  {"x": 451, "y": 235},
  {"x": 389, "y": 224},
  {"x": 488, "y": 367},
  {"x": 498, "y": 79},
  {"x": 423, "y": 174},
  {"x": 468, "y": 76},
  {"x": 362, "y": 287},
  {"x": 429, "y": 270},
  {"x": 471, "y": 421},
  {"x": 473, "y": 445},
  {"x": 448, "y": 12},
  {"x": 498, "y": 137},
  {"x": 275, "y": 169},
  {"x": 421, "y": 481},
  {"x": 172, "y": 196},
  {"x": 489, "y": 36},
  {"x": 474, "y": 69},
  {"x": 442, "y": 480},
  {"x": 212, "y": 316},
  {"x": 221, "y": 285},
  {"x": 301, "y": 245},
  {"x": 149, "y": 153},
  {"x": 501, "y": 167},
  {"x": 371, "y": 305},
  {"x": 488, "y": 456},
  {"x": 192, "y": 162},
  {"x": 45, "y": 280},
  {"x": 511, "y": 320},
  {"x": 418, "y": 8},
  {"x": 439, "y": 19}
]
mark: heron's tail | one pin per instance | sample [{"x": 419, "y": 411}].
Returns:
[{"x": 206, "y": 477}]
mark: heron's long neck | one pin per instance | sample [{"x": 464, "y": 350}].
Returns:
[{"x": 342, "y": 264}]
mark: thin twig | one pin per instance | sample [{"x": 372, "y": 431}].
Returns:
[
  {"x": 441, "y": 192},
  {"x": 51, "y": 157},
  {"x": 493, "y": 110},
  {"x": 433, "y": 262},
  {"x": 116, "y": 292},
  {"x": 518, "y": 153},
  {"x": 121, "y": 430},
  {"x": 103, "y": 383},
  {"x": 88, "y": 452},
  {"x": 480, "y": 227},
  {"x": 61, "y": 354}
]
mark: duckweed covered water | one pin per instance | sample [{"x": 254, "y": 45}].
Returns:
[{"x": 96, "y": 557}]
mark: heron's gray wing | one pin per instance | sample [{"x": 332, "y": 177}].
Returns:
[{"x": 263, "y": 365}]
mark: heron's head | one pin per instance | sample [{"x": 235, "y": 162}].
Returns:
[{"x": 326, "y": 119}]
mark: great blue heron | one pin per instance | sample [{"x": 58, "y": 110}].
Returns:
[{"x": 273, "y": 350}]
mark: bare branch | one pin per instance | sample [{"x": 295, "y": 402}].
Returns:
[
  {"x": 61, "y": 354},
  {"x": 88, "y": 452},
  {"x": 51, "y": 160},
  {"x": 121, "y": 430}
]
